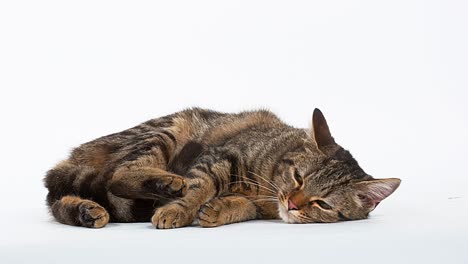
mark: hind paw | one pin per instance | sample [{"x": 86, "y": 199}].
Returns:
[{"x": 93, "y": 215}]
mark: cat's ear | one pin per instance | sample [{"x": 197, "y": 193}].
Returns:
[
  {"x": 320, "y": 130},
  {"x": 372, "y": 192}
]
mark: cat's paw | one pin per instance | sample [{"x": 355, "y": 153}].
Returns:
[
  {"x": 172, "y": 186},
  {"x": 171, "y": 216},
  {"x": 211, "y": 214},
  {"x": 92, "y": 215}
]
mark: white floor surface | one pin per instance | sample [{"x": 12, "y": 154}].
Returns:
[{"x": 424, "y": 232}]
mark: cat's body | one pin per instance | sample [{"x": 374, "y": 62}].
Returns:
[{"x": 212, "y": 167}]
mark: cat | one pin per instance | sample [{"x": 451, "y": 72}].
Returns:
[{"x": 211, "y": 168}]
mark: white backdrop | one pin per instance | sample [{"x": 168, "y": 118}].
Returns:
[{"x": 390, "y": 76}]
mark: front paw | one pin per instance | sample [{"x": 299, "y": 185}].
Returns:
[
  {"x": 171, "y": 186},
  {"x": 211, "y": 215},
  {"x": 171, "y": 216}
]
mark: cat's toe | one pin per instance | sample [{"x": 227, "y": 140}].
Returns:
[
  {"x": 93, "y": 215},
  {"x": 171, "y": 216},
  {"x": 210, "y": 215},
  {"x": 169, "y": 186}
]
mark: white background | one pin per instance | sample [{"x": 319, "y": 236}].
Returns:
[{"x": 390, "y": 76}]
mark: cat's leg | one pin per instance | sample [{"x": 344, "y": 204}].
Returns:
[
  {"x": 73, "y": 210},
  {"x": 208, "y": 178},
  {"x": 135, "y": 182},
  {"x": 226, "y": 210}
]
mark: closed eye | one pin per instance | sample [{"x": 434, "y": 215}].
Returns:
[
  {"x": 298, "y": 178},
  {"x": 323, "y": 204}
]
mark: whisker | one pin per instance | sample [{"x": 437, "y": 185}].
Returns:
[
  {"x": 277, "y": 163},
  {"x": 305, "y": 218},
  {"x": 281, "y": 195},
  {"x": 266, "y": 180},
  {"x": 256, "y": 185},
  {"x": 264, "y": 200},
  {"x": 261, "y": 196},
  {"x": 257, "y": 197},
  {"x": 251, "y": 182}
]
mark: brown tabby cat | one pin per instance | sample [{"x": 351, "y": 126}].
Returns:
[{"x": 216, "y": 168}]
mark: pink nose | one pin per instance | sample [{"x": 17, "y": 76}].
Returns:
[{"x": 292, "y": 206}]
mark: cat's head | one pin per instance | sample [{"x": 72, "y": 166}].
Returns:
[{"x": 322, "y": 182}]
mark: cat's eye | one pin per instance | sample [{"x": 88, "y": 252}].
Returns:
[
  {"x": 323, "y": 204},
  {"x": 298, "y": 177}
]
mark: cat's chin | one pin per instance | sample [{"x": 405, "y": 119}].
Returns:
[{"x": 285, "y": 215}]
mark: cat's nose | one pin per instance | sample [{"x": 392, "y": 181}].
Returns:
[{"x": 292, "y": 206}]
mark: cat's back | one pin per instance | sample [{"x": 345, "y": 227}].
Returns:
[
  {"x": 174, "y": 131},
  {"x": 231, "y": 126}
]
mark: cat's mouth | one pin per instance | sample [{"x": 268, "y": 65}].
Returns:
[{"x": 284, "y": 214}]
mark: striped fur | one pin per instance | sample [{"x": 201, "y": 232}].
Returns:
[{"x": 213, "y": 167}]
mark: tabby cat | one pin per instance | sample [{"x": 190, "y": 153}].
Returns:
[{"x": 212, "y": 168}]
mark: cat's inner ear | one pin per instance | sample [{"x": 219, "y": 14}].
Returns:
[
  {"x": 372, "y": 192},
  {"x": 320, "y": 130}
]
